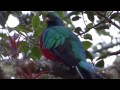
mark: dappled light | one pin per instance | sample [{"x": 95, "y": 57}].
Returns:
[{"x": 20, "y": 31}]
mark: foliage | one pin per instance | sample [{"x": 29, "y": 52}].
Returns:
[{"x": 25, "y": 40}]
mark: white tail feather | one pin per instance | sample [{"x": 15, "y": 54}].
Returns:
[{"x": 79, "y": 72}]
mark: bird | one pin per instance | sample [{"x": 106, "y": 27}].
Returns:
[{"x": 58, "y": 43}]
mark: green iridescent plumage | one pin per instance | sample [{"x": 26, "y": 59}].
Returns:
[{"x": 66, "y": 45}]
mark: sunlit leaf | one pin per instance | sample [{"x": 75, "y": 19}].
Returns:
[
  {"x": 89, "y": 26},
  {"x": 86, "y": 44},
  {"x": 35, "y": 21},
  {"x": 39, "y": 30},
  {"x": 44, "y": 25},
  {"x": 88, "y": 36}
]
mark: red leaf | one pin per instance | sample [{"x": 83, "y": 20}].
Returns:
[{"x": 39, "y": 74}]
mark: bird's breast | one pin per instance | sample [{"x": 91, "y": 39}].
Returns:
[{"x": 47, "y": 53}]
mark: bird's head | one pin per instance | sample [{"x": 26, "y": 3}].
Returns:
[{"x": 53, "y": 19}]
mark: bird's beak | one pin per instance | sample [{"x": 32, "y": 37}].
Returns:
[{"x": 47, "y": 19}]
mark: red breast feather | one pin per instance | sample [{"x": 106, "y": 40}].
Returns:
[{"x": 47, "y": 53}]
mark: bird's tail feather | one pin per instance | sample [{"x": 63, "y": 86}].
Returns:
[
  {"x": 88, "y": 71},
  {"x": 79, "y": 73}
]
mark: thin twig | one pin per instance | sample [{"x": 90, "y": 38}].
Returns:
[
  {"x": 84, "y": 19},
  {"x": 114, "y": 53},
  {"x": 106, "y": 47},
  {"x": 88, "y": 29},
  {"x": 118, "y": 17},
  {"x": 93, "y": 27},
  {"x": 109, "y": 54},
  {"x": 79, "y": 73},
  {"x": 108, "y": 19}
]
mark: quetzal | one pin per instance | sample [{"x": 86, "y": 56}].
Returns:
[{"x": 59, "y": 43}]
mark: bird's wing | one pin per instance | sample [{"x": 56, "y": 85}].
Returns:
[
  {"x": 60, "y": 41},
  {"x": 53, "y": 37}
]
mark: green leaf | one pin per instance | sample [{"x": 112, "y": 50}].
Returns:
[
  {"x": 100, "y": 63},
  {"x": 77, "y": 30},
  {"x": 88, "y": 36},
  {"x": 60, "y": 13},
  {"x": 86, "y": 44},
  {"x": 103, "y": 32},
  {"x": 89, "y": 55},
  {"x": 4, "y": 44},
  {"x": 102, "y": 27},
  {"x": 44, "y": 25},
  {"x": 3, "y": 36},
  {"x": 36, "y": 52},
  {"x": 24, "y": 46},
  {"x": 39, "y": 30},
  {"x": 3, "y": 17},
  {"x": 104, "y": 55},
  {"x": 35, "y": 21},
  {"x": 90, "y": 15},
  {"x": 100, "y": 18},
  {"x": 114, "y": 15},
  {"x": 89, "y": 26},
  {"x": 75, "y": 18},
  {"x": 23, "y": 28}
]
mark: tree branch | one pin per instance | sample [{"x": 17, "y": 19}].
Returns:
[
  {"x": 108, "y": 19},
  {"x": 106, "y": 47},
  {"x": 109, "y": 54},
  {"x": 96, "y": 24},
  {"x": 114, "y": 53},
  {"x": 93, "y": 27},
  {"x": 84, "y": 19}
]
